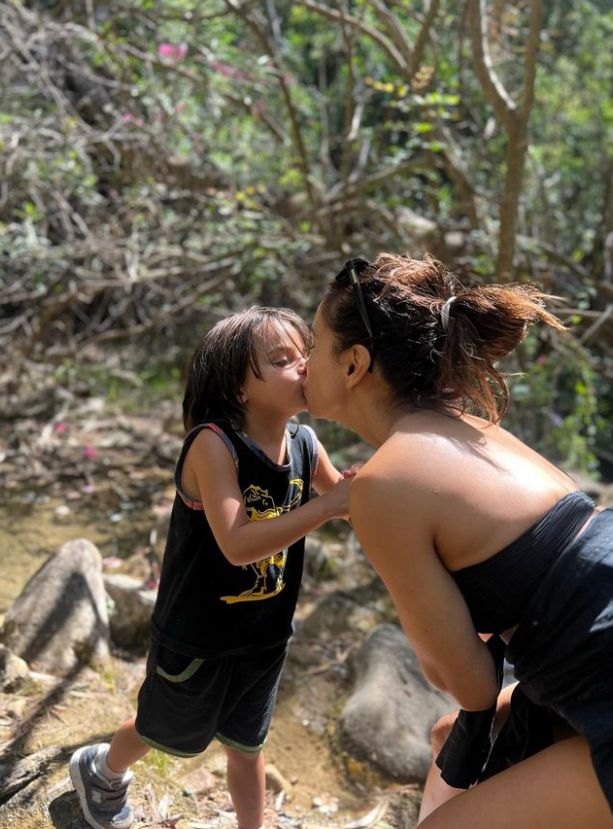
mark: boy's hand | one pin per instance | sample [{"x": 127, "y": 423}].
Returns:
[
  {"x": 338, "y": 497},
  {"x": 353, "y": 469}
]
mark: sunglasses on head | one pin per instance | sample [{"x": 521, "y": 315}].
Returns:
[{"x": 351, "y": 272}]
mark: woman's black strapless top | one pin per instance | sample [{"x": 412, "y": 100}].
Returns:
[{"x": 498, "y": 589}]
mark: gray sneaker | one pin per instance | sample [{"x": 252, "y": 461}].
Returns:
[{"x": 104, "y": 802}]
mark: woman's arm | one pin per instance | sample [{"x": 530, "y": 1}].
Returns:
[
  {"x": 242, "y": 541},
  {"x": 394, "y": 526}
]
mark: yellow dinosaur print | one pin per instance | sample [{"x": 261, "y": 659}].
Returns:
[{"x": 268, "y": 571}]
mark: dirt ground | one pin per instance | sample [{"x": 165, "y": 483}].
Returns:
[{"x": 313, "y": 783}]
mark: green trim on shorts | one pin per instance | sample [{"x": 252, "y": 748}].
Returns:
[
  {"x": 239, "y": 746},
  {"x": 159, "y": 747},
  {"x": 184, "y": 675}
]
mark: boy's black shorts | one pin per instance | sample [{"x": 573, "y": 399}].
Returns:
[{"x": 184, "y": 702}]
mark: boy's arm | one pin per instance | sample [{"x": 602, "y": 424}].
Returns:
[
  {"x": 326, "y": 474},
  {"x": 242, "y": 541}
]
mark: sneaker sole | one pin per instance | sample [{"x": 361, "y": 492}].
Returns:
[{"x": 77, "y": 781}]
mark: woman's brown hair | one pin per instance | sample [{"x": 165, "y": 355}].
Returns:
[
  {"x": 435, "y": 342},
  {"x": 219, "y": 365}
]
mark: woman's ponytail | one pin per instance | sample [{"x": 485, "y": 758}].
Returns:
[{"x": 487, "y": 323}]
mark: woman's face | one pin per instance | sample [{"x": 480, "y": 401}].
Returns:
[{"x": 323, "y": 386}]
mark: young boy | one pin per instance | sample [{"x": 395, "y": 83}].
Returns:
[{"x": 230, "y": 575}]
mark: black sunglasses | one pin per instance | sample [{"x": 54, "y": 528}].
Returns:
[{"x": 352, "y": 269}]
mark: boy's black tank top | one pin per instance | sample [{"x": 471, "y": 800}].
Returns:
[{"x": 205, "y": 604}]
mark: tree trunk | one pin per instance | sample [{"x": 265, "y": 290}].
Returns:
[{"x": 517, "y": 147}]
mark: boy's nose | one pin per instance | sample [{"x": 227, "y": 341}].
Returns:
[{"x": 302, "y": 365}]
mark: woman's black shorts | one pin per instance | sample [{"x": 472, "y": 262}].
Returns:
[{"x": 184, "y": 702}]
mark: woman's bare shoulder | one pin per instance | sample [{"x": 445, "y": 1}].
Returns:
[
  {"x": 398, "y": 467},
  {"x": 408, "y": 453}
]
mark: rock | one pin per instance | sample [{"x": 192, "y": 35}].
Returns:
[
  {"x": 388, "y": 718},
  {"x": 417, "y": 227},
  {"x": 356, "y": 611},
  {"x": 59, "y": 621},
  {"x": 16, "y": 774},
  {"x": 199, "y": 781},
  {"x": 275, "y": 782},
  {"x": 332, "y": 616},
  {"x": 325, "y": 804},
  {"x": 319, "y": 564},
  {"x": 131, "y": 613},
  {"x": 13, "y": 671},
  {"x": 340, "y": 622},
  {"x": 455, "y": 240},
  {"x": 16, "y": 707},
  {"x": 600, "y": 492}
]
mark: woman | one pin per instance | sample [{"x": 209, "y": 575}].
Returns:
[{"x": 472, "y": 531}]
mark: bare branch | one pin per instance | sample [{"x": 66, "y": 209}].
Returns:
[
  {"x": 163, "y": 317},
  {"x": 500, "y": 100},
  {"x": 384, "y": 42},
  {"x": 423, "y": 36},
  {"x": 346, "y": 148},
  {"x": 240, "y": 11},
  {"x": 396, "y": 32},
  {"x": 517, "y": 147},
  {"x": 339, "y": 193},
  {"x": 532, "y": 47}
]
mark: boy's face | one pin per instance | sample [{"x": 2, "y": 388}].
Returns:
[{"x": 281, "y": 357}]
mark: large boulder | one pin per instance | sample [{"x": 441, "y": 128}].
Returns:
[
  {"x": 388, "y": 718},
  {"x": 13, "y": 671},
  {"x": 59, "y": 621},
  {"x": 131, "y": 611}
]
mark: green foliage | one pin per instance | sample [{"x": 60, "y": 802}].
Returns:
[
  {"x": 571, "y": 156},
  {"x": 167, "y": 162},
  {"x": 556, "y": 407}
]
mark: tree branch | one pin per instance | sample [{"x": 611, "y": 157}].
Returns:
[
  {"x": 340, "y": 193},
  {"x": 384, "y": 42},
  {"x": 500, "y": 100},
  {"x": 532, "y": 47},
  {"x": 270, "y": 49},
  {"x": 396, "y": 32},
  {"x": 423, "y": 36}
]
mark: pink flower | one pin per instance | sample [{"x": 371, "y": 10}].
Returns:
[
  {"x": 230, "y": 71},
  {"x": 542, "y": 360},
  {"x": 59, "y": 428},
  {"x": 89, "y": 452},
  {"x": 223, "y": 68},
  {"x": 172, "y": 51}
]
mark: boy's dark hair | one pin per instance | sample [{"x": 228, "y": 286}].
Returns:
[
  {"x": 435, "y": 342},
  {"x": 219, "y": 365}
]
